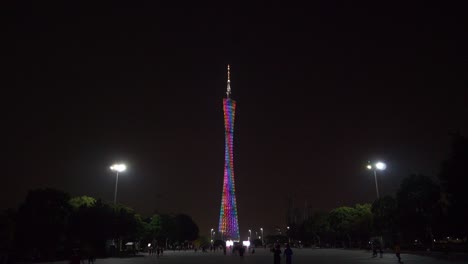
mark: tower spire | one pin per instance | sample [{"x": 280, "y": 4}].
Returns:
[{"x": 228, "y": 90}]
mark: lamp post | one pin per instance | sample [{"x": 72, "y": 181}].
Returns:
[
  {"x": 211, "y": 235},
  {"x": 377, "y": 166},
  {"x": 117, "y": 168},
  {"x": 261, "y": 230},
  {"x": 250, "y": 234}
]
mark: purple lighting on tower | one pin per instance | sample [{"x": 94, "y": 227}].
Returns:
[{"x": 228, "y": 224}]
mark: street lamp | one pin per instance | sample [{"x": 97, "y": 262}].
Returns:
[
  {"x": 377, "y": 166},
  {"x": 250, "y": 234},
  {"x": 261, "y": 230},
  {"x": 117, "y": 168},
  {"x": 211, "y": 235}
]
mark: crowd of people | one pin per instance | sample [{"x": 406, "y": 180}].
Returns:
[
  {"x": 240, "y": 250},
  {"x": 276, "y": 249},
  {"x": 156, "y": 250}
]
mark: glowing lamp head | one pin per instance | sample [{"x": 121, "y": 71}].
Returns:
[
  {"x": 118, "y": 167},
  {"x": 369, "y": 167},
  {"x": 380, "y": 166}
]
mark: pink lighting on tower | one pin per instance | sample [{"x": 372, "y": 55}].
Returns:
[{"x": 228, "y": 224}]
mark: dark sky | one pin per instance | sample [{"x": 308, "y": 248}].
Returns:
[{"x": 321, "y": 89}]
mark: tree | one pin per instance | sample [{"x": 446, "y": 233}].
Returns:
[
  {"x": 124, "y": 224},
  {"x": 353, "y": 224},
  {"x": 91, "y": 226},
  {"x": 362, "y": 223},
  {"x": 164, "y": 227},
  {"x": 141, "y": 229},
  {"x": 454, "y": 179},
  {"x": 49, "y": 222},
  {"x": 79, "y": 201},
  {"x": 385, "y": 218},
  {"x": 42, "y": 222},
  {"x": 185, "y": 228},
  {"x": 316, "y": 228},
  {"x": 417, "y": 198},
  {"x": 7, "y": 232},
  {"x": 341, "y": 221}
]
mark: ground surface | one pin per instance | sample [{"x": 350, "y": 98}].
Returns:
[{"x": 262, "y": 256}]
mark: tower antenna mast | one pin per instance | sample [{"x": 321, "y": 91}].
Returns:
[{"x": 228, "y": 90}]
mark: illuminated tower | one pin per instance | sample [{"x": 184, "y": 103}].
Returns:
[{"x": 228, "y": 225}]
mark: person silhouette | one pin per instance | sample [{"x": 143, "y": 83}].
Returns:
[
  {"x": 374, "y": 248},
  {"x": 76, "y": 257},
  {"x": 288, "y": 254},
  {"x": 277, "y": 254},
  {"x": 398, "y": 252}
]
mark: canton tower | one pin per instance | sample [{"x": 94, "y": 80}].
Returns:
[{"x": 228, "y": 224}]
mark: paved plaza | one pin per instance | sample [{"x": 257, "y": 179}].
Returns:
[{"x": 262, "y": 256}]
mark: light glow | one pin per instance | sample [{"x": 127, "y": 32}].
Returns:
[
  {"x": 118, "y": 167},
  {"x": 246, "y": 243},
  {"x": 369, "y": 167},
  {"x": 229, "y": 243},
  {"x": 380, "y": 165}
]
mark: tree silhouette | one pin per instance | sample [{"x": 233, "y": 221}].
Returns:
[
  {"x": 454, "y": 179},
  {"x": 417, "y": 199},
  {"x": 42, "y": 223},
  {"x": 385, "y": 217}
]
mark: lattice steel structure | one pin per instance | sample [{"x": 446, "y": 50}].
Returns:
[{"x": 228, "y": 223}]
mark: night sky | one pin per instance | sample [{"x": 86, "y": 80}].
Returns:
[{"x": 320, "y": 90}]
